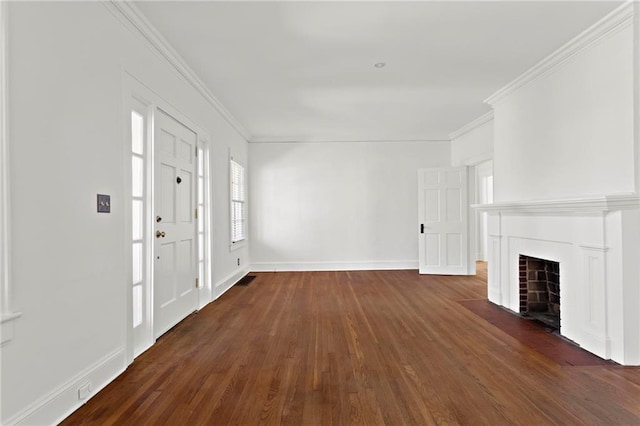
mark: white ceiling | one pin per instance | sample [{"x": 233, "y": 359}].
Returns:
[{"x": 304, "y": 71}]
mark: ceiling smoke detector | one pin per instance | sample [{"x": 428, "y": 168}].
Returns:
[{"x": 380, "y": 65}]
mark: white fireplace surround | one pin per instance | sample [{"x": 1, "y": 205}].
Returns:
[{"x": 596, "y": 240}]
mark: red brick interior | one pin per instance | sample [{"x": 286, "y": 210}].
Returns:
[{"x": 540, "y": 289}]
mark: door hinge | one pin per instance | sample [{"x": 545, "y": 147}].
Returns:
[
  {"x": 197, "y": 282},
  {"x": 196, "y": 213}
]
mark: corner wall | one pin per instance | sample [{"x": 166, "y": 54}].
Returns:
[
  {"x": 569, "y": 131},
  {"x": 473, "y": 143},
  {"x": 351, "y": 205}
]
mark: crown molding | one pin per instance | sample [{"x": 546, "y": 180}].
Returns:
[
  {"x": 359, "y": 140},
  {"x": 615, "y": 21},
  {"x": 135, "y": 20},
  {"x": 484, "y": 118}
]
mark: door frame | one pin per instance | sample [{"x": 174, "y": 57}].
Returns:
[
  {"x": 482, "y": 172},
  {"x": 136, "y": 92}
]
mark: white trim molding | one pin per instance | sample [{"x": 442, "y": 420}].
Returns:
[
  {"x": 596, "y": 204},
  {"x": 307, "y": 139},
  {"x": 615, "y": 21},
  {"x": 484, "y": 118},
  {"x": 131, "y": 16},
  {"x": 7, "y": 316},
  {"x": 334, "y": 266},
  {"x": 229, "y": 281},
  {"x": 636, "y": 90},
  {"x": 58, "y": 404}
]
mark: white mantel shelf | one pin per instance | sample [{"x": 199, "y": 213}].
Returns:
[{"x": 594, "y": 204}]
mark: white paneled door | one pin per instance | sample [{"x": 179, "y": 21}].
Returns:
[
  {"x": 442, "y": 221},
  {"x": 175, "y": 231}
]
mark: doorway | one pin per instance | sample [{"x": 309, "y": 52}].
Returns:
[
  {"x": 167, "y": 210},
  {"x": 484, "y": 195},
  {"x": 443, "y": 239}
]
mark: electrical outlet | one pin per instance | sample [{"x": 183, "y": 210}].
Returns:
[
  {"x": 84, "y": 391},
  {"x": 238, "y": 261}
]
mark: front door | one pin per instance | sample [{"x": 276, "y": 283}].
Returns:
[
  {"x": 175, "y": 261},
  {"x": 442, "y": 221}
]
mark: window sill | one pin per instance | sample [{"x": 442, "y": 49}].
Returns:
[
  {"x": 7, "y": 326},
  {"x": 238, "y": 245}
]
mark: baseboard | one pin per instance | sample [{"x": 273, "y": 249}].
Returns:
[
  {"x": 333, "y": 266},
  {"x": 229, "y": 281},
  {"x": 61, "y": 402}
]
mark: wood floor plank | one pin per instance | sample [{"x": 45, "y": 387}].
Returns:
[{"x": 358, "y": 347}]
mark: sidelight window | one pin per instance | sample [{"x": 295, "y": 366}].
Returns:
[{"x": 237, "y": 202}]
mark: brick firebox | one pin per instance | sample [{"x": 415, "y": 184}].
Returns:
[{"x": 540, "y": 290}]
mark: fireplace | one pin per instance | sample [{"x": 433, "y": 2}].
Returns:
[
  {"x": 593, "y": 243},
  {"x": 540, "y": 290}
]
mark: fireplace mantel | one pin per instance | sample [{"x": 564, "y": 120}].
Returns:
[
  {"x": 596, "y": 241},
  {"x": 594, "y": 204}
]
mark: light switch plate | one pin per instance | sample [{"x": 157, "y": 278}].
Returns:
[{"x": 104, "y": 203}]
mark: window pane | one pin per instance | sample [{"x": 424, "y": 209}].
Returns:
[
  {"x": 137, "y": 176},
  {"x": 137, "y": 305},
  {"x": 136, "y": 220},
  {"x": 200, "y": 162},
  {"x": 200, "y": 190},
  {"x": 201, "y": 272},
  {"x": 237, "y": 204},
  {"x": 137, "y": 133},
  {"x": 200, "y": 220},
  {"x": 200, "y": 247},
  {"x": 237, "y": 181},
  {"x": 137, "y": 262},
  {"x": 237, "y": 221}
]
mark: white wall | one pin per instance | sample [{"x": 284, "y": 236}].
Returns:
[
  {"x": 66, "y": 63},
  {"x": 337, "y": 205},
  {"x": 569, "y": 133},
  {"x": 473, "y": 146}
]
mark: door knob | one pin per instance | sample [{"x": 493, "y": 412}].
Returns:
[{"x": 160, "y": 234}]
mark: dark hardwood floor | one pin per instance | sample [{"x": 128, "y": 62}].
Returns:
[{"x": 368, "y": 347}]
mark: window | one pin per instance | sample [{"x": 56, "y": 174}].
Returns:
[
  {"x": 237, "y": 202},
  {"x": 138, "y": 192},
  {"x": 7, "y": 315},
  {"x": 203, "y": 211}
]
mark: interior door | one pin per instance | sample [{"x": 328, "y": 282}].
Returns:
[
  {"x": 442, "y": 221},
  {"x": 175, "y": 258}
]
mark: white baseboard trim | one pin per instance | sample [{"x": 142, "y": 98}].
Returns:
[
  {"x": 333, "y": 266},
  {"x": 227, "y": 282},
  {"x": 61, "y": 402}
]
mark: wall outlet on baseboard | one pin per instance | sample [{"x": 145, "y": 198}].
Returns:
[{"x": 84, "y": 391}]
